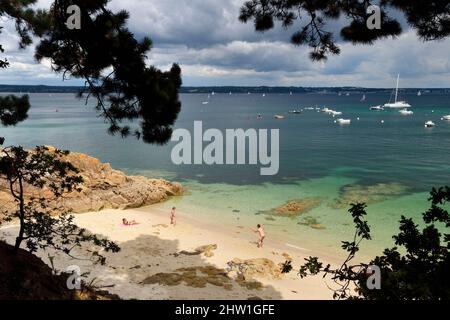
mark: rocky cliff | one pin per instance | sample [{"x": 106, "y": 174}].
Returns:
[{"x": 102, "y": 188}]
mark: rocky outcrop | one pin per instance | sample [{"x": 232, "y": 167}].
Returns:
[
  {"x": 206, "y": 250},
  {"x": 253, "y": 269},
  {"x": 293, "y": 208},
  {"x": 367, "y": 194},
  {"x": 102, "y": 188},
  {"x": 195, "y": 277},
  {"x": 312, "y": 223}
]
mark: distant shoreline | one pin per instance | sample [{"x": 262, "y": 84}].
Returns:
[{"x": 233, "y": 89}]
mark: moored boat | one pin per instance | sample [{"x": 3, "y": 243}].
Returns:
[
  {"x": 406, "y": 112},
  {"x": 429, "y": 124},
  {"x": 344, "y": 121}
]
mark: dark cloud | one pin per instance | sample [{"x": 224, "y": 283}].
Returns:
[{"x": 214, "y": 48}]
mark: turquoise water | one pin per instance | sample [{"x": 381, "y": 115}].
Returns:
[{"x": 396, "y": 163}]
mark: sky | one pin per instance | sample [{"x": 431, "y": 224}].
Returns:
[{"x": 214, "y": 48}]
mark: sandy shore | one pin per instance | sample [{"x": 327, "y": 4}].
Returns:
[{"x": 151, "y": 251}]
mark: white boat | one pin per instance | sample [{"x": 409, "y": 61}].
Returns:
[
  {"x": 429, "y": 124},
  {"x": 309, "y": 108},
  {"x": 447, "y": 118},
  {"x": 396, "y": 103},
  {"x": 335, "y": 113},
  {"x": 363, "y": 98},
  {"x": 264, "y": 94},
  {"x": 406, "y": 112},
  {"x": 278, "y": 117},
  {"x": 295, "y": 111},
  {"x": 377, "y": 108},
  {"x": 205, "y": 102},
  {"x": 419, "y": 93},
  {"x": 326, "y": 110},
  {"x": 344, "y": 121},
  {"x": 347, "y": 94}
]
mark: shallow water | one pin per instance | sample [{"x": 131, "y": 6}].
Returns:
[{"x": 318, "y": 158}]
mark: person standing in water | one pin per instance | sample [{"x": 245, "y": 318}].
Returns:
[
  {"x": 173, "y": 218},
  {"x": 262, "y": 235}
]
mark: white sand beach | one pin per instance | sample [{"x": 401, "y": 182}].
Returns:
[{"x": 158, "y": 261}]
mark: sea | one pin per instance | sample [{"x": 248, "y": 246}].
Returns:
[{"x": 386, "y": 159}]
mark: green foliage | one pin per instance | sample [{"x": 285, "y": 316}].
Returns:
[
  {"x": 112, "y": 62},
  {"x": 3, "y": 62},
  {"x": 286, "y": 267},
  {"x": 417, "y": 269},
  {"x": 13, "y": 109},
  {"x": 431, "y": 20},
  {"x": 106, "y": 55},
  {"x": 44, "y": 169}
]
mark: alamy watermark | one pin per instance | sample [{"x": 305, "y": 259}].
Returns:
[
  {"x": 374, "y": 277},
  {"x": 374, "y": 20},
  {"x": 74, "y": 20},
  {"x": 74, "y": 280},
  {"x": 236, "y": 146}
]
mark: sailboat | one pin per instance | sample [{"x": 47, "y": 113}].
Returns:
[
  {"x": 363, "y": 98},
  {"x": 397, "y": 104},
  {"x": 419, "y": 93}
]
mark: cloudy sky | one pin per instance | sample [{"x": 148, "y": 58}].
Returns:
[{"x": 213, "y": 48}]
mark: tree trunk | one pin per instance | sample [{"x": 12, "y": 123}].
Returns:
[{"x": 20, "y": 236}]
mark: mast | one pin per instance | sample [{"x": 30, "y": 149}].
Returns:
[{"x": 396, "y": 90}]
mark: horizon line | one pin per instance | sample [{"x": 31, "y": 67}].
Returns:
[{"x": 240, "y": 86}]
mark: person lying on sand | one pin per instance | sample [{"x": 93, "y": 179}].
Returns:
[
  {"x": 262, "y": 235},
  {"x": 173, "y": 218},
  {"x": 129, "y": 223}
]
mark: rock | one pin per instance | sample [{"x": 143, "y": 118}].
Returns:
[
  {"x": 293, "y": 208},
  {"x": 367, "y": 194},
  {"x": 207, "y": 250},
  {"x": 102, "y": 188},
  {"x": 168, "y": 279},
  {"x": 196, "y": 277},
  {"x": 287, "y": 256},
  {"x": 312, "y": 223},
  {"x": 254, "y": 268},
  {"x": 250, "y": 285},
  {"x": 254, "y": 298}
]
